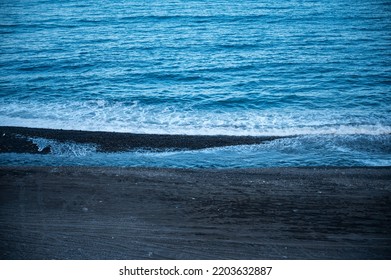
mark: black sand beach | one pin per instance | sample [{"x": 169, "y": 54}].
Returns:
[
  {"x": 18, "y": 140},
  {"x": 133, "y": 213}
]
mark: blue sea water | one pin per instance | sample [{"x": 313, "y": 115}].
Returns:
[{"x": 319, "y": 70}]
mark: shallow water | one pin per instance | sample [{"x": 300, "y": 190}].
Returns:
[{"x": 307, "y": 150}]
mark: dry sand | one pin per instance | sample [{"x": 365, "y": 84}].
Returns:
[{"x": 133, "y": 213}]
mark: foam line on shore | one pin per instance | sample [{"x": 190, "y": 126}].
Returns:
[{"x": 19, "y": 140}]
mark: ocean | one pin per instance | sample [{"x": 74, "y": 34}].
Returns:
[{"x": 317, "y": 73}]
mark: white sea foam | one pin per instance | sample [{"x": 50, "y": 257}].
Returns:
[
  {"x": 120, "y": 117},
  {"x": 64, "y": 148},
  {"x": 305, "y": 150}
]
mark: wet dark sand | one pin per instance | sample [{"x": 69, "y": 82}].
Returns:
[
  {"x": 133, "y": 213},
  {"x": 17, "y": 140}
]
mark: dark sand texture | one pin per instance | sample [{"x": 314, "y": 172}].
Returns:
[
  {"x": 17, "y": 140},
  {"x": 132, "y": 213}
]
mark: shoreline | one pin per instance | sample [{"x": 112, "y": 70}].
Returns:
[
  {"x": 17, "y": 140},
  {"x": 160, "y": 213}
]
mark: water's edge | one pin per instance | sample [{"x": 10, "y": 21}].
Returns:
[
  {"x": 20, "y": 146},
  {"x": 24, "y": 140}
]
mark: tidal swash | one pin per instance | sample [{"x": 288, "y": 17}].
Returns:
[{"x": 318, "y": 72}]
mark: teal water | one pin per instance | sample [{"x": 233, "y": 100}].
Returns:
[{"x": 320, "y": 70}]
